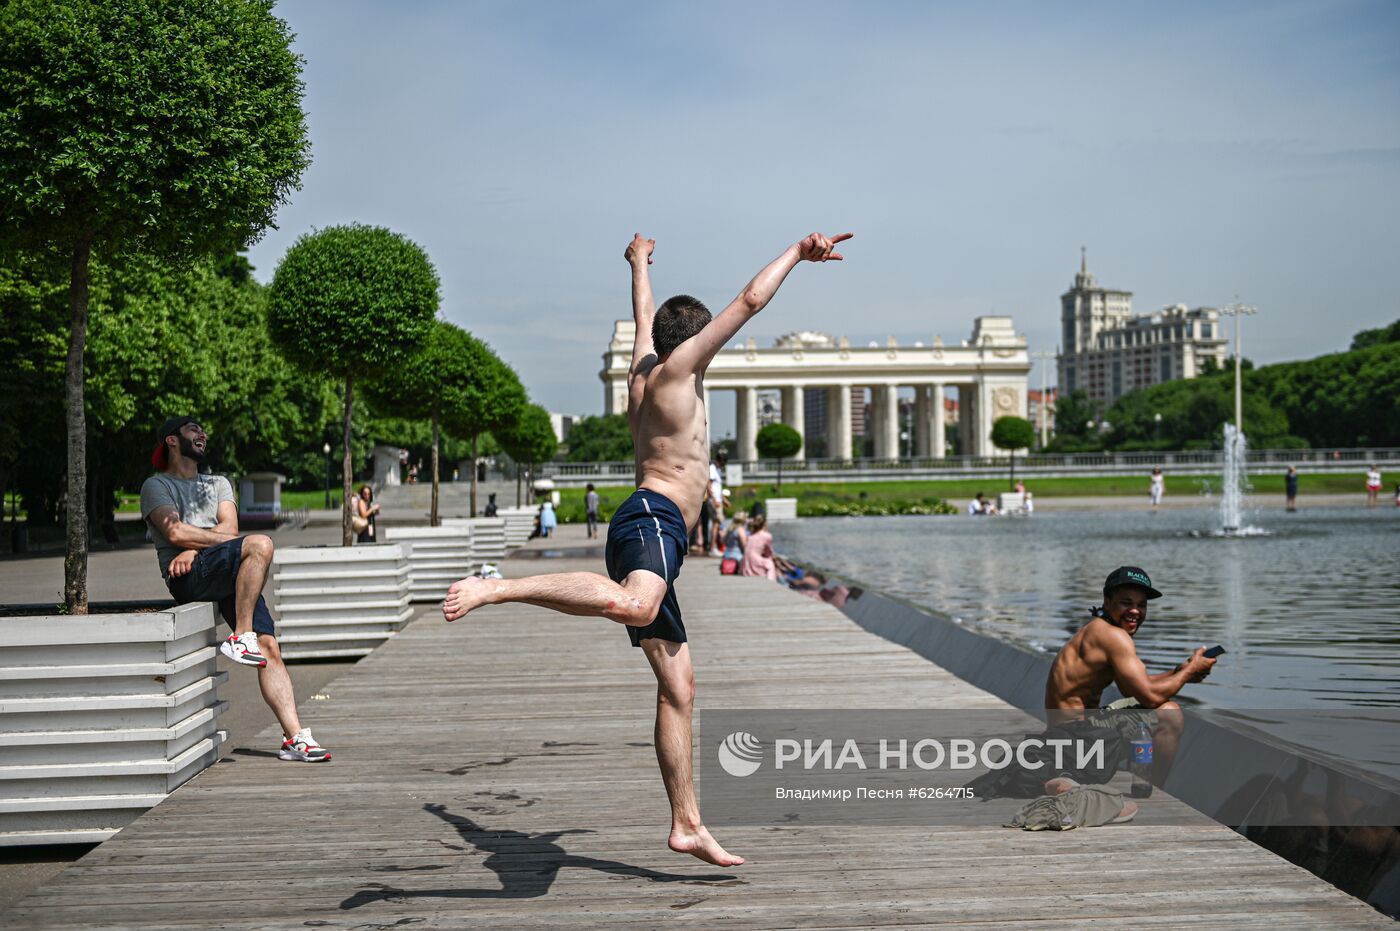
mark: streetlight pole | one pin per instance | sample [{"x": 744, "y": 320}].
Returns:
[
  {"x": 326, "y": 451},
  {"x": 1044, "y": 356},
  {"x": 1238, "y": 310}
]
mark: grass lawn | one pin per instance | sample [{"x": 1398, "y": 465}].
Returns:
[{"x": 900, "y": 497}]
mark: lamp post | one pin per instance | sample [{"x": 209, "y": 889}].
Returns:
[
  {"x": 326, "y": 451},
  {"x": 1238, "y": 310},
  {"x": 1156, "y": 428},
  {"x": 1044, "y": 415}
]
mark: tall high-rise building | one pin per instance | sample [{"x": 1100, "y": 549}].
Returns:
[{"x": 1107, "y": 350}]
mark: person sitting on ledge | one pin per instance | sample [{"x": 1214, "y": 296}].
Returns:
[
  {"x": 1102, "y": 652},
  {"x": 193, "y": 521}
]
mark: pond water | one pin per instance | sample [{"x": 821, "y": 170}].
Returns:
[{"x": 1307, "y": 605}]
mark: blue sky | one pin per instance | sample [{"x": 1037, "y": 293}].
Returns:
[{"x": 1198, "y": 150}]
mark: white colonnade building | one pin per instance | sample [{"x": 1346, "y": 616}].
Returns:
[{"x": 988, "y": 371}]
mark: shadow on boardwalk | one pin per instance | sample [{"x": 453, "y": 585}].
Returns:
[{"x": 526, "y": 865}]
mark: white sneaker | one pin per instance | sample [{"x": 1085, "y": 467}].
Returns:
[
  {"x": 303, "y": 748},
  {"x": 243, "y": 649}
]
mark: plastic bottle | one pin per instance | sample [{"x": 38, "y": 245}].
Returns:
[{"x": 1141, "y": 763}]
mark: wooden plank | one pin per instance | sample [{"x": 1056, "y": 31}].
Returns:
[{"x": 526, "y": 722}]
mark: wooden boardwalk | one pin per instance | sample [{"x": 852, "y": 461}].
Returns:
[{"x": 499, "y": 773}]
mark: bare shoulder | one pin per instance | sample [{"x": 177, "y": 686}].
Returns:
[{"x": 1110, "y": 639}]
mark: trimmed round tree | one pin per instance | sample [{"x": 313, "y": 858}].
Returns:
[
  {"x": 351, "y": 302},
  {"x": 491, "y": 400},
  {"x": 1011, "y": 434},
  {"x": 424, "y": 386},
  {"x": 163, "y": 126},
  {"x": 778, "y": 441},
  {"x": 530, "y": 440}
]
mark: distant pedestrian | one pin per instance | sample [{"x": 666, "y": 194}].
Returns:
[
  {"x": 413, "y": 474},
  {"x": 490, "y": 505},
  {"x": 1157, "y": 488},
  {"x": 590, "y": 511},
  {"x": 455, "y": 474},
  {"x": 363, "y": 511},
  {"x": 1373, "y": 486},
  {"x": 1029, "y": 504},
  {"x": 1290, "y": 489},
  {"x": 548, "y": 519}
]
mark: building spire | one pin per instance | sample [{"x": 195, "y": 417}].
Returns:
[{"x": 1083, "y": 261}]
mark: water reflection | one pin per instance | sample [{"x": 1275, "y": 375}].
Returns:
[{"x": 1310, "y": 613}]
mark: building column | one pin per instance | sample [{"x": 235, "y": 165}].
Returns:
[
  {"x": 922, "y": 435},
  {"x": 965, "y": 420},
  {"x": 838, "y": 421},
  {"x": 795, "y": 414},
  {"x": 938, "y": 447},
  {"x": 873, "y": 421},
  {"x": 746, "y": 422},
  {"x": 892, "y": 443}
]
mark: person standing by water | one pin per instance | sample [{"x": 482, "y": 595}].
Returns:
[
  {"x": 590, "y": 511},
  {"x": 362, "y": 520},
  {"x": 1290, "y": 489},
  {"x": 1157, "y": 488},
  {"x": 1373, "y": 486}
]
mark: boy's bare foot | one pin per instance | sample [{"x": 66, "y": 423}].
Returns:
[
  {"x": 699, "y": 843},
  {"x": 465, "y": 595}
]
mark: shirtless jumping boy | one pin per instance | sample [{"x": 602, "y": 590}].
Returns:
[{"x": 649, "y": 535}]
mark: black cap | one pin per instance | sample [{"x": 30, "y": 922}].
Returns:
[
  {"x": 159, "y": 458},
  {"x": 1129, "y": 575},
  {"x": 172, "y": 426}
]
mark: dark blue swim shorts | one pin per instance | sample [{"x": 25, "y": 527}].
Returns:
[{"x": 648, "y": 532}]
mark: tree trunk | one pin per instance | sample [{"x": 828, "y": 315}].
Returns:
[
  {"x": 433, "y": 520},
  {"x": 75, "y": 559},
  {"x": 474, "y": 440},
  {"x": 1013, "y": 470},
  {"x": 347, "y": 530},
  {"x": 517, "y": 483},
  {"x": 780, "y": 478}
]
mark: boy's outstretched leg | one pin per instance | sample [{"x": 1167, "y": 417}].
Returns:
[
  {"x": 633, "y": 601},
  {"x": 675, "y": 700}
]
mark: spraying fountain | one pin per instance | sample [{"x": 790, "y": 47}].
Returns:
[{"x": 1232, "y": 491}]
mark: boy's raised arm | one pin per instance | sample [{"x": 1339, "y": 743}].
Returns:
[
  {"x": 697, "y": 351},
  {"x": 638, "y": 255}
]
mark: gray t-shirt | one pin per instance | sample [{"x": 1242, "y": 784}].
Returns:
[
  {"x": 196, "y": 500},
  {"x": 590, "y": 502}
]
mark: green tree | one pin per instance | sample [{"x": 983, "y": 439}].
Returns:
[
  {"x": 601, "y": 439},
  {"x": 1379, "y": 336},
  {"x": 530, "y": 440},
  {"x": 351, "y": 301},
  {"x": 1073, "y": 412},
  {"x": 163, "y": 126},
  {"x": 778, "y": 441},
  {"x": 1011, "y": 434},
  {"x": 425, "y": 385},
  {"x": 490, "y": 401}
]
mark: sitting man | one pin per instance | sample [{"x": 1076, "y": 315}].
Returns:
[
  {"x": 193, "y": 521},
  {"x": 1102, "y": 652}
]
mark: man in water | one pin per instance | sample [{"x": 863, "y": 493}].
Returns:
[
  {"x": 1102, "y": 652},
  {"x": 648, "y": 535}
]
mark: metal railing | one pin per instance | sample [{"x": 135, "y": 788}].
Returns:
[{"x": 1180, "y": 462}]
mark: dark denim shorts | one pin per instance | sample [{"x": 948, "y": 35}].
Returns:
[{"x": 214, "y": 577}]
